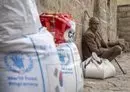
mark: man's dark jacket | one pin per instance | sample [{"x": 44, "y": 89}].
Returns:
[{"x": 92, "y": 42}]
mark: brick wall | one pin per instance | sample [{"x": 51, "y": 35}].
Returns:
[{"x": 124, "y": 22}]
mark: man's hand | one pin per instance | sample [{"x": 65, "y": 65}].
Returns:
[{"x": 122, "y": 45}]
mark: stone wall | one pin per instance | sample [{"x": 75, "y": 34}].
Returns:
[
  {"x": 81, "y": 11},
  {"x": 108, "y": 19},
  {"x": 113, "y": 21},
  {"x": 124, "y": 22}
]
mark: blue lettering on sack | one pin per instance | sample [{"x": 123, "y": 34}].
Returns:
[
  {"x": 47, "y": 50},
  {"x": 18, "y": 81},
  {"x": 67, "y": 70},
  {"x": 18, "y": 62}
]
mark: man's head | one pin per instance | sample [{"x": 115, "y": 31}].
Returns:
[{"x": 94, "y": 23}]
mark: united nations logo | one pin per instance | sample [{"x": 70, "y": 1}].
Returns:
[
  {"x": 18, "y": 62},
  {"x": 64, "y": 58}
]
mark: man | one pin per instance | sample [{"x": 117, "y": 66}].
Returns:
[{"x": 93, "y": 42}]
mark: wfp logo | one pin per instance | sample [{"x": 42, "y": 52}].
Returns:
[
  {"x": 64, "y": 58},
  {"x": 18, "y": 62}
]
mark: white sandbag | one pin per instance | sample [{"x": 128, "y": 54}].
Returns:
[
  {"x": 95, "y": 67},
  {"x": 30, "y": 64},
  {"x": 71, "y": 67},
  {"x": 17, "y": 18},
  {"x": 35, "y": 15}
]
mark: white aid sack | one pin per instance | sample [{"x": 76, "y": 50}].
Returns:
[
  {"x": 71, "y": 67},
  {"x": 30, "y": 64},
  {"x": 95, "y": 67},
  {"x": 35, "y": 15},
  {"x": 17, "y": 18}
]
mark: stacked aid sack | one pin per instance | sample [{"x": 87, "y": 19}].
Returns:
[{"x": 28, "y": 57}]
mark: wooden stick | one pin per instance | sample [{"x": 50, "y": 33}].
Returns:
[{"x": 120, "y": 67}]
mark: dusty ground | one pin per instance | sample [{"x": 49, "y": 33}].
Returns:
[{"x": 119, "y": 83}]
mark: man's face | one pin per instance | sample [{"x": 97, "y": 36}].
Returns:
[{"x": 95, "y": 26}]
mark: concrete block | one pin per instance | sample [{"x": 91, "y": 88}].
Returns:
[
  {"x": 124, "y": 20},
  {"x": 123, "y": 8},
  {"x": 125, "y": 29}
]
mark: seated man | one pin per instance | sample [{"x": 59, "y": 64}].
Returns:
[{"x": 93, "y": 42}]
